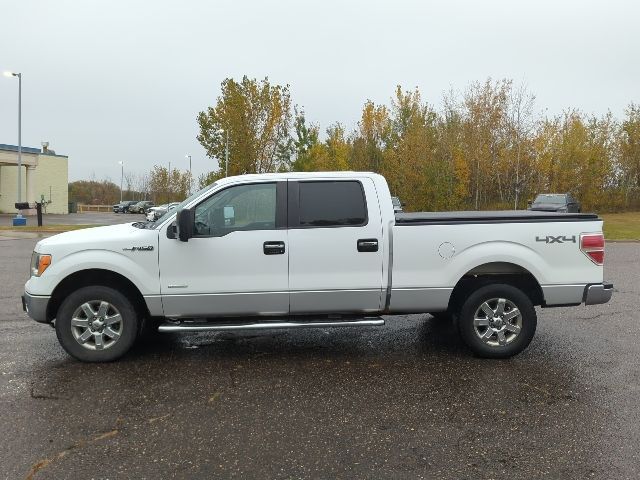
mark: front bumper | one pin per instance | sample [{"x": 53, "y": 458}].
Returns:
[
  {"x": 36, "y": 307},
  {"x": 598, "y": 293}
]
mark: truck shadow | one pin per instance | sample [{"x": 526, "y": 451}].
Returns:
[{"x": 411, "y": 335}]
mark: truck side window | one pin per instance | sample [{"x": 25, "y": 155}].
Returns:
[
  {"x": 331, "y": 203},
  {"x": 243, "y": 207}
]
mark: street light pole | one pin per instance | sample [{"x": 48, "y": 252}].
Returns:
[
  {"x": 19, "y": 75},
  {"x": 121, "y": 177},
  {"x": 226, "y": 150},
  {"x": 226, "y": 156},
  {"x": 190, "y": 175}
]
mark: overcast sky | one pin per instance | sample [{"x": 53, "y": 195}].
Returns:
[{"x": 124, "y": 80}]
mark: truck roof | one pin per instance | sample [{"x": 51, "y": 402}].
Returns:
[{"x": 296, "y": 175}]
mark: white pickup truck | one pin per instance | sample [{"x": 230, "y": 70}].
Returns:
[{"x": 296, "y": 250}]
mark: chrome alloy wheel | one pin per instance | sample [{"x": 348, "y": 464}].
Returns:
[
  {"x": 497, "y": 322},
  {"x": 96, "y": 325}
]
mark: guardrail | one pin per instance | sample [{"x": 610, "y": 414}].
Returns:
[{"x": 94, "y": 208}]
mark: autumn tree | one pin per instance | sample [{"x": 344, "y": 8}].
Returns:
[
  {"x": 94, "y": 192},
  {"x": 410, "y": 154},
  {"x": 486, "y": 148},
  {"x": 371, "y": 138},
  {"x": 520, "y": 123},
  {"x": 330, "y": 155},
  {"x": 255, "y": 117},
  {"x": 169, "y": 186},
  {"x": 206, "y": 179},
  {"x": 485, "y": 106},
  {"x": 450, "y": 149},
  {"x": 629, "y": 165}
]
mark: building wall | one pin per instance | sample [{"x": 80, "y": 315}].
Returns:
[
  {"x": 52, "y": 171},
  {"x": 9, "y": 187}
]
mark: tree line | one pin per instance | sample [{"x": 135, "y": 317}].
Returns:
[
  {"x": 159, "y": 185},
  {"x": 487, "y": 147}
]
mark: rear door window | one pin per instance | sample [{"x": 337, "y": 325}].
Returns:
[{"x": 331, "y": 204}]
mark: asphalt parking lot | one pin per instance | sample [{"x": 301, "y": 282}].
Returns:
[
  {"x": 406, "y": 400},
  {"x": 97, "y": 218}
]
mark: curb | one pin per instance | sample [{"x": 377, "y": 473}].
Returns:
[{"x": 16, "y": 235}]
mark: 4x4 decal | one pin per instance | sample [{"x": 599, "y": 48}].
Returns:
[{"x": 554, "y": 239}]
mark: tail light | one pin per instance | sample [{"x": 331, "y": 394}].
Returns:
[{"x": 592, "y": 245}]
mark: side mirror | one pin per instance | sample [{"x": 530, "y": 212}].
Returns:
[
  {"x": 184, "y": 224},
  {"x": 529, "y": 202},
  {"x": 172, "y": 231}
]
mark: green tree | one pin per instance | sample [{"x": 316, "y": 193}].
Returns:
[{"x": 305, "y": 141}]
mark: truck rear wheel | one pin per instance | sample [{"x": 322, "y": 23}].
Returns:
[
  {"x": 497, "y": 321},
  {"x": 96, "y": 324}
]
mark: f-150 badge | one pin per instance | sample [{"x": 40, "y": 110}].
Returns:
[
  {"x": 558, "y": 239},
  {"x": 145, "y": 248}
]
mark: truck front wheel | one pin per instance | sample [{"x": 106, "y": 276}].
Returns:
[
  {"x": 96, "y": 324},
  {"x": 497, "y": 321}
]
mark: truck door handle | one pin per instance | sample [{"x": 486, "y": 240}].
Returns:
[
  {"x": 368, "y": 245},
  {"x": 273, "y": 248}
]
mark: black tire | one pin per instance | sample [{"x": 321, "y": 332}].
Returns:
[
  {"x": 500, "y": 342},
  {"x": 127, "y": 328}
]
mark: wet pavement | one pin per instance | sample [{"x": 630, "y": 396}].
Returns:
[{"x": 406, "y": 400}]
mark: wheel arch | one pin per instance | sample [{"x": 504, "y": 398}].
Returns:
[
  {"x": 101, "y": 277},
  {"x": 496, "y": 272}
]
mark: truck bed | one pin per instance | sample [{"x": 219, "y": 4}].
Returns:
[{"x": 475, "y": 217}]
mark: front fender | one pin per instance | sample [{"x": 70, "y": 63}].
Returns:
[{"x": 142, "y": 270}]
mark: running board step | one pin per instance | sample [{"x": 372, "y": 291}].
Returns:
[{"x": 207, "y": 327}]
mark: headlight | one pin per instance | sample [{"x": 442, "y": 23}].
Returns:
[{"x": 39, "y": 263}]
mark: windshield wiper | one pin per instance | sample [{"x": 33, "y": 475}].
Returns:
[{"x": 143, "y": 225}]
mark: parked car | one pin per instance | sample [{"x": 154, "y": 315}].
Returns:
[
  {"x": 123, "y": 207},
  {"x": 300, "y": 250},
  {"x": 154, "y": 213},
  {"x": 141, "y": 207},
  {"x": 555, "y": 202},
  {"x": 397, "y": 204}
]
